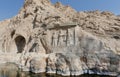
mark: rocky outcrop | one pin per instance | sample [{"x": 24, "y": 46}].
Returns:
[{"x": 57, "y": 39}]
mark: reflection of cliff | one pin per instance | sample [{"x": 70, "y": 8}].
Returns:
[{"x": 57, "y": 39}]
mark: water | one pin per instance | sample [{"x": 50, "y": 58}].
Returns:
[
  {"x": 27, "y": 74},
  {"x": 11, "y": 70}
]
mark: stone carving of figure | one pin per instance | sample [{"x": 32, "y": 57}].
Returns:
[
  {"x": 60, "y": 38},
  {"x": 54, "y": 39},
  {"x": 65, "y": 38},
  {"x": 70, "y": 37}
]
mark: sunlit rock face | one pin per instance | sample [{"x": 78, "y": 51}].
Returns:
[{"x": 57, "y": 39}]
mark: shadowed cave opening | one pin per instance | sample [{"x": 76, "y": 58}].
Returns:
[
  {"x": 12, "y": 34},
  {"x": 20, "y": 43}
]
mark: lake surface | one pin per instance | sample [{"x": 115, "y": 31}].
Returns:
[
  {"x": 27, "y": 74},
  {"x": 11, "y": 70}
]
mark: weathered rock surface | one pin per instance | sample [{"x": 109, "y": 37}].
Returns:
[{"x": 57, "y": 39}]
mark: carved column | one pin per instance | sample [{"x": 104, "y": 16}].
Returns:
[{"x": 76, "y": 34}]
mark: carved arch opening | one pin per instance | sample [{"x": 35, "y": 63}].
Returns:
[{"x": 20, "y": 43}]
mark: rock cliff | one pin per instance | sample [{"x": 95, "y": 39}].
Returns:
[{"x": 54, "y": 38}]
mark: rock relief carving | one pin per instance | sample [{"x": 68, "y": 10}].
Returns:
[{"x": 54, "y": 39}]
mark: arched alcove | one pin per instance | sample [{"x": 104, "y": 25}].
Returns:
[{"x": 20, "y": 43}]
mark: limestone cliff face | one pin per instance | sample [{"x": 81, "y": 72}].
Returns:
[{"x": 57, "y": 39}]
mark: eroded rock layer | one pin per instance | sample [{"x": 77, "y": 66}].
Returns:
[{"x": 57, "y": 39}]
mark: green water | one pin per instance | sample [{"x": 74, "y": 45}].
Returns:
[
  {"x": 27, "y": 74},
  {"x": 11, "y": 70}
]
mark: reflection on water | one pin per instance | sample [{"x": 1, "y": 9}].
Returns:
[
  {"x": 11, "y": 70},
  {"x": 26, "y": 74}
]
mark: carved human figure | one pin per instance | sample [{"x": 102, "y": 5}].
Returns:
[
  {"x": 60, "y": 38},
  {"x": 70, "y": 37},
  {"x": 64, "y": 37},
  {"x": 54, "y": 39}
]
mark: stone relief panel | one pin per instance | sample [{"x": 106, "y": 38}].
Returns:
[{"x": 62, "y": 37}]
